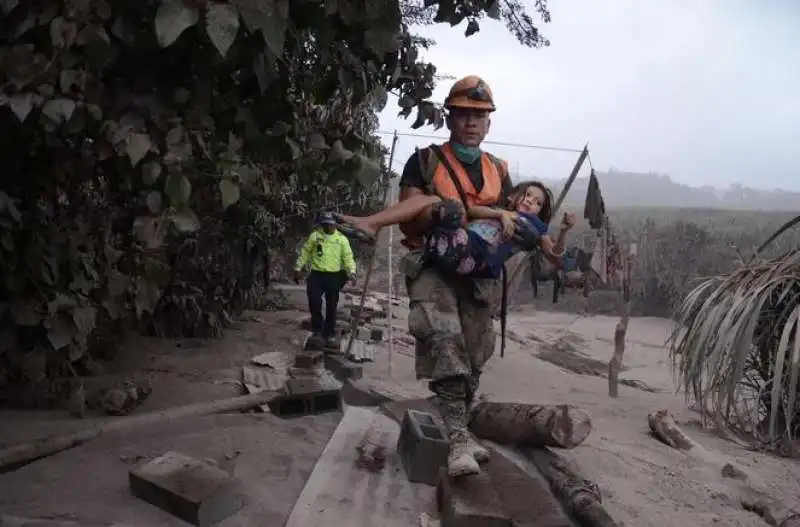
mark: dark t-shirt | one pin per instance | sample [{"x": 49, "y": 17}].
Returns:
[{"x": 412, "y": 177}]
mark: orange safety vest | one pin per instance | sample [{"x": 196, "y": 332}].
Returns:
[{"x": 494, "y": 170}]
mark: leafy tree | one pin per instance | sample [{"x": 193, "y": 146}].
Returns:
[{"x": 154, "y": 151}]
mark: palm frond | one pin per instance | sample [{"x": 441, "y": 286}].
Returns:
[{"x": 736, "y": 349}]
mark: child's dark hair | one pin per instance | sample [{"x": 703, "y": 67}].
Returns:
[{"x": 519, "y": 190}]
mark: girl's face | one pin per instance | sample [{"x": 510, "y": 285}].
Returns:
[{"x": 531, "y": 201}]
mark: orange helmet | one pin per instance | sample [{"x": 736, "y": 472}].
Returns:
[{"x": 470, "y": 92}]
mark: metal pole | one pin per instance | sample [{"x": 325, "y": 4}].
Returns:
[{"x": 357, "y": 317}]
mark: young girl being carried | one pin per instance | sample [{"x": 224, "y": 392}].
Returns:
[{"x": 480, "y": 248}]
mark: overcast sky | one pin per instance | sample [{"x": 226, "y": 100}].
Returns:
[{"x": 705, "y": 91}]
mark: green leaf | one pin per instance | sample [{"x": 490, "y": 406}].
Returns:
[
  {"x": 59, "y": 110},
  {"x": 230, "y": 193},
  {"x": 339, "y": 153},
  {"x": 294, "y": 148},
  {"x": 138, "y": 146},
  {"x": 147, "y": 297},
  {"x": 8, "y": 5},
  {"x": 185, "y": 221},
  {"x": 150, "y": 231},
  {"x": 151, "y": 171},
  {"x": 222, "y": 25},
  {"x": 494, "y": 10},
  {"x": 178, "y": 189},
  {"x": 21, "y": 104},
  {"x": 317, "y": 142},
  {"x": 472, "y": 28},
  {"x": 368, "y": 172},
  {"x": 60, "y": 332},
  {"x": 154, "y": 201},
  {"x": 172, "y": 19},
  {"x": 84, "y": 319}
]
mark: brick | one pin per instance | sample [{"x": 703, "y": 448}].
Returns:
[
  {"x": 423, "y": 446},
  {"x": 469, "y": 501},
  {"x": 307, "y": 396},
  {"x": 342, "y": 368},
  {"x": 308, "y": 360},
  {"x": 195, "y": 491}
]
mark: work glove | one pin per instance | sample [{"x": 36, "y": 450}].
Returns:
[
  {"x": 449, "y": 214},
  {"x": 525, "y": 236}
]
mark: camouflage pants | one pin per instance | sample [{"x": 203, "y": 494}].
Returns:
[{"x": 451, "y": 320}]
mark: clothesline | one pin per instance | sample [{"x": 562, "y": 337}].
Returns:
[{"x": 496, "y": 143}]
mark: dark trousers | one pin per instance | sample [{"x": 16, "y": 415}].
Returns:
[{"x": 324, "y": 285}]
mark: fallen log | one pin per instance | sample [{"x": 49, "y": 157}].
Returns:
[
  {"x": 16, "y": 456},
  {"x": 560, "y": 426},
  {"x": 665, "y": 429},
  {"x": 581, "y": 496},
  {"x": 775, "y": 514}
]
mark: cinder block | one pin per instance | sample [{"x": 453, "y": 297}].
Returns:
[
  {"x": 363, "y": 333},
  {"x": 194, "y": 491},
  {"x": 423, "y": 446},
  {"x": 469, "y": 501},
  {"x": 309, "y": 360},
  {"x": 306, "y": 396},
  {"x": 312, "y": 343},
  {"x": 342, "y": 368}
]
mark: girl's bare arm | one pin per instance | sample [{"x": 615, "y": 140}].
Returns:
[{"x": 479, "y": 212}]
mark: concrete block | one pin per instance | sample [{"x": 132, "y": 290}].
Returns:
[
  {"x": 469, "y": 501},
  {"x": 195, "y": 491},
  {"x": 342, "y": 368},
  {"x": 423, "y": 446},
  {"x": 307, "y": 396},
  {"x": 309, "y": 360},
  {"x": 362, "y": 334},
  {"x": 312, "y": 343}
]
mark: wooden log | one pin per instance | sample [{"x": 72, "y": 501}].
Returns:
[
  {"x": 621, "y": 330},
  {"x": 17, "y": 455},
  {"x": 775, "y": 514},
  {"x": 665, "y": 429},
  {"x": 560, "y": 426},
  {"x": 579, "y": 494}
]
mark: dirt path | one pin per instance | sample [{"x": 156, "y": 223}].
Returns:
[{"x": 551, "y": 358}]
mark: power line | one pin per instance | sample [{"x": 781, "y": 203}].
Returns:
[{"x": 496, "y": 143}]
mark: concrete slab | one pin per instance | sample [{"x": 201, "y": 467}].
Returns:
[
  {"x": 339, "y": 492},
  {"x": 89, "y": 484}
]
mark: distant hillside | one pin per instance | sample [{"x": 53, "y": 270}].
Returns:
[{"x": 649, "y": 190}]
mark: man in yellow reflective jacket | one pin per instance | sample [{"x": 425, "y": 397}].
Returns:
[{"x": 329, "y": 255}]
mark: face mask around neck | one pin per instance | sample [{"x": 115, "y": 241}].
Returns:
[{"x": 466, "y": 154}]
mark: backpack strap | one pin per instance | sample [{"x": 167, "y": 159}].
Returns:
[{"x": 427, "y": 167}]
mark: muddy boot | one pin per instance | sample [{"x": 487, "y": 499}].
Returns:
[
  {"x": 476, "y": 450},
  {"x": 460, "y": 461}
]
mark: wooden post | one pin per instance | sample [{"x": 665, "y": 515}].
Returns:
[
  {"x": 621, "y": 330},
  {"x": 357, "y": 316},
  {"x": 571, "y": 179}
]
